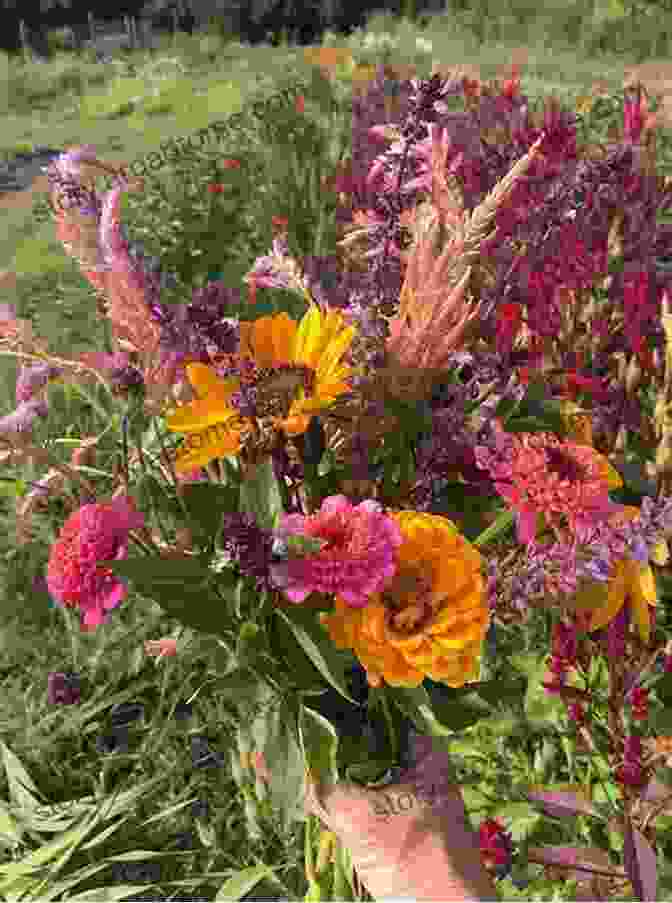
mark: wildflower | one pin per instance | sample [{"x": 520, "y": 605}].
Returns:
[
  {"x": 231, "y": 164},
  {"x": 31, "y": 379},
  {"x": 93, "y": 533},
  {"x": 537, "y": 474},
  {"x": 631, "y": 771},
  {"x": 63, "y": 688},
  {"x": 639, "y": 697},
  {"x": 495, "y": 843},
  {"x": 431, "y": 618},
  {"x": 631, "y": 583},
  {"x": 23, "y": 416},
  {"x": 300, "y": 104},
  {"x": 248, "y": 545},
  {"x": 161, "y": 648},
  {"x": 357, "y": 557},
  {"x": 216, "y": 188},
  {"x": 280, "y": 222},
  {"x": 576, "y": 713},
  {"x": 294, "y": 372}
]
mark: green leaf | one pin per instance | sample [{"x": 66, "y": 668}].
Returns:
[
  {"x": 319, "y": 743},
  {"x": 22, "y": 790},
  {"x": 500, "y": 526},
  {"x": 300, "y": 670},
  {"x": 260, "y": 495},
  {"x": 207, "y": 504},
  {"x": 663, "y": 688},
  {"x": 541, "y": 707},
  {"x": 457, "y": 715},
  {"x": 275, "y": 733},
  {"x": 9, "y": 829},
  {"x": 661, "y": 721},
  {"x": 316, "y": 643},
  {"x": 181, "y": 586},
  {"x": 239, "y": 885}
]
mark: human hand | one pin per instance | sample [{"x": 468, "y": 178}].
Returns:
[{"x": 409, "y": 839}]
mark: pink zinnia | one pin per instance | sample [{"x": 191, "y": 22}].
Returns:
[
  {"x": 537, "y": 474},
  {"x": 357, "y": 558},
  {"x": 96, "y": 532}
]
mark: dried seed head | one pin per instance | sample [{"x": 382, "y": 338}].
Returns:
[{"x": 633, "y": 376}]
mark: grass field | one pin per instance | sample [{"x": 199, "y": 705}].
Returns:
[{"x": 127, "y": 111}]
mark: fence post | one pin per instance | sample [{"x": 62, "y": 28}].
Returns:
[
  {"x": 25, "y": 44},
  {"x": 92, "y": 28}
]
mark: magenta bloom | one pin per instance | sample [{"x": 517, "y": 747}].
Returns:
[
  {"x": 357, "y": 557},
  {"x": 96, "y": 532}
]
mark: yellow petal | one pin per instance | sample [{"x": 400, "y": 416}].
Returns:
[
  {"x": 660, "y": 554},
  {"x": 205, "y": 381},
  {"x": 306, "y": 341},
  {"x": 616, "y": 591},
  {"x": 198, "y": 415},
  {"x": 199, "y": 457}
]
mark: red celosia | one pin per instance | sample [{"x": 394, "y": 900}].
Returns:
[
  {"x": 639, "y": 698},
  {"x": 96, "y": 532}
]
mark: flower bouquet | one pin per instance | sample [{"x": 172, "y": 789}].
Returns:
[{"x": 463, "y": 436}]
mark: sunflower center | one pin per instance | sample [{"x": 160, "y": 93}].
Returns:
[
  {"x": 275, "y": 388},
  {"x": 409, "y": 602},
  {"x": 562, "y": 464}
]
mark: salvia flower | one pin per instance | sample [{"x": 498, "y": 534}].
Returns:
[
  {"x": 93, "y": 533},
  {"x": 431, "y": 618},
  {"x": 357, "y": 554},
  {"x": 63, "y": 688}
]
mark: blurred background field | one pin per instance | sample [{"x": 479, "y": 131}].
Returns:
[{"x": 127, "y": 107}]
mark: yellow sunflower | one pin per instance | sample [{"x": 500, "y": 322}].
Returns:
[
  {"x": 297, "y": 372},
  {"x": 431, "y": 619},
  {"x": 630, "y": 582}
]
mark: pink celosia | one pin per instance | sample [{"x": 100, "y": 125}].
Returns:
[
  {"x": 537, "y": 474},
  {"x": 93, "y": 533},
  {"x": 357, "y": 557}
]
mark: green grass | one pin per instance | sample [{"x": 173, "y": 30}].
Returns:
[{"x": 128, "y": 116}]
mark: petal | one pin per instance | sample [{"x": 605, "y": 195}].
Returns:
[
  {"x": 284, "y": 331},
  {"x": 199, "y": 457},
  {"x": 614, "y": 603},
  {"x": 197, "y": 415},
  {"x": 205, "y": 381},
  {"x": 306, "y": 340}
]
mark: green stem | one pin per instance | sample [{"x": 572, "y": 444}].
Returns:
[{"x": 501, "y": 525}]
